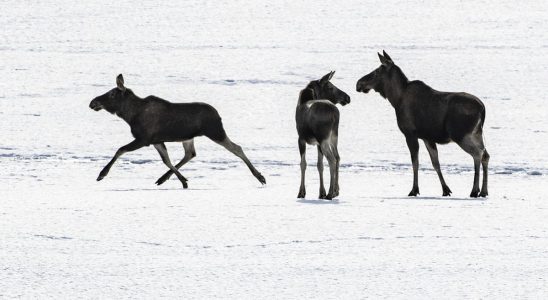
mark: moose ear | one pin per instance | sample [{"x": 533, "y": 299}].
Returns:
[
  {"x": 381, "y": 58},
  {"x": 120, "y": 82},
  {"x": 384, "y": 61},
  {"x": 306, "y": 95},
  {"x": 327, "y": 77},
  {"x": 386, "y": 56}
]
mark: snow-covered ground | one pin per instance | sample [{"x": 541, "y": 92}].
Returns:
[{"x": 64, "y": 235}]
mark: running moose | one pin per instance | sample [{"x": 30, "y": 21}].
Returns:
[
  {"x": 317, "y": 120},
  {"x": 154, "y": 121},
  {"x": 433, "y": 116}
]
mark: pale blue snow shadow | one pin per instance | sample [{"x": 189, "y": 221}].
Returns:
[
  {"x": 157, "y": 189},
  {"x": 52, "y": 237},
  {"x": 435, "y": 198},
  {"x": 318, "y": 201}
]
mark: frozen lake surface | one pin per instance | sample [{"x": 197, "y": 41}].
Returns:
[{"x": 64, "y": 235}]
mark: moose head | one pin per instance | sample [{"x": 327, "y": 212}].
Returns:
[
  {"x": 324, "y": 89},
  {"x": 386, "y": 73},
  {"x": 113, "y": 99}
]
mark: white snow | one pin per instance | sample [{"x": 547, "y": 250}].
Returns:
[{"x": 64, "y": 235}]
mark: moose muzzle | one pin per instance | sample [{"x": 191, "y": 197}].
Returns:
[{"x": 95, "y": 105}]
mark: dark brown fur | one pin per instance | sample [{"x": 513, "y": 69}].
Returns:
[
  {"x": 154, "y": 121},
  {"x": 433, "y": 116},
  {"x": 318, "y": 124}
]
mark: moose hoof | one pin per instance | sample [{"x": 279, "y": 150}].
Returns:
[
  {"x": 261, "y": 179},
  {"x": 322, "y": 195},
  {"x": 162, "y": 180},
  {"x": 474, "y": 194},
  {"x": 330, "y": 196},
  {"x": 185, "y": 185},
  {"x": 414, "y": 192},
  {"x": 483, "y": 194},
  {"x": 446, "y": 191},
  {"x": 102, "y": 174},
  {"x": 301, "y": 194}
]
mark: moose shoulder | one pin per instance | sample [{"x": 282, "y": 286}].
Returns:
[
  {"x": 154, "y": 121},
  {"x": 433, "y": 116}
]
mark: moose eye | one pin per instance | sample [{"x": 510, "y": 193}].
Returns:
[{"x": 111, "y": 95}]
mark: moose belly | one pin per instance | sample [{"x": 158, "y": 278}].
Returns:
[
  {"x": 312, "y": 141},
  {"x": 174, "y": 137},
  {"x": 425, "y": 127},
  {"x": 436, "y": 136},
  {"x": 174, "y": 134}
]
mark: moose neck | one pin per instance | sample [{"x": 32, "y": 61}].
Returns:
[
  {"x": 130, "y": 107},
  {"x": 393, "y": 87}
]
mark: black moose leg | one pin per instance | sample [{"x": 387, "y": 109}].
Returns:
[
  {"x": 136, "y": 144},
  {"x": 237, "y": 150},
  {"x": 320, "y": 170},
  {"x": 433, "y": 151},
  {"x": 190, "y": 153},
  {"x": 484, "y": 163},
  {"x": 161, "y": 147},
  {"x": 302, "y": 151},
  {"x": 328, "y": 152},
  {"x": 337, "y": 163},
  {"x": 475, "y": 188},
  {"x": 413, "y": 144},
  {"x": 473, "y": 145},
  {"x": 332, "y": 166}
]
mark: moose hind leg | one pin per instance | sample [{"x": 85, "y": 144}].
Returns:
[
  {"x": 333, "y": 139},
  {"x": 190, "y": 153},
  {"x": 475, "y": 189},
  {"x": 484, "y": 163},
  {"x": 337, "y": 163},
  {"x": 330, "y": 155},
  {"x": 320, "y": 170},
  {"x": 473, "y": 145},
  {"x": 433, "y": 151},
  {"x": 237, "y": 150},
  {"x": 161, "y": 147}
]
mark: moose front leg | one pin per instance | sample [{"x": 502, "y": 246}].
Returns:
[
  {"x": 413, "y": 144},
  {"x": 302, "y": 151},
  {"x": 161, "y": 147},
  {"x": 433, "y": 151},
  {"x": 127, "y": 148}
]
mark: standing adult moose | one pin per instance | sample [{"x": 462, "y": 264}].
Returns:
[
  {"x": 317, "y": 120},
  {"x": 433, "y": 116},
  {"x": 154, "y": 121}
]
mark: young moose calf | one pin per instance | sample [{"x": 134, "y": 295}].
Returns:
[
  {"x": 317, "y": 120},
  {"x": 156, "y": 121}
]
